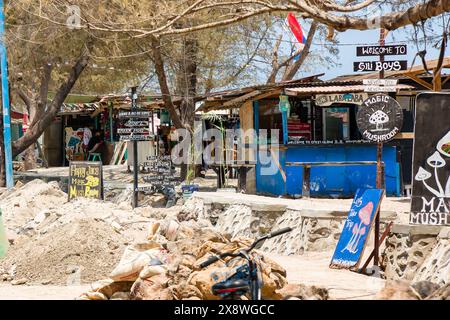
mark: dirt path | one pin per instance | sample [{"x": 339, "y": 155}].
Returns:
[
  {"x": 309, "y": 269},
  {"x": 312, "y": 269},
  {"x": 9, "y": 292}
]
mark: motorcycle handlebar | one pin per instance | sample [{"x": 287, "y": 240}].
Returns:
[
  {"x": 279, "y": 232},
  {"x": 211, "y": 260},
  {"x": 215, "y": 258}
]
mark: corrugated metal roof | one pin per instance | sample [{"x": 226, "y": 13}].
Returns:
[{"x": 335, "y": 89}]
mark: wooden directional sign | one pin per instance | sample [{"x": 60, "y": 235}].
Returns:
[
  {"x": 380, "y": 89},
  {"x": 380, "y": 85},
  {"x": 137, "y": 123},
  {"x": 394, "y": 65},
  {"x": 132, "y": 130},
  {"x": 393, "y": 50},
  {"x": 138, "y": 137},
  {"x": 380, "y": 82},
  {"x": 135, "y": 114}
]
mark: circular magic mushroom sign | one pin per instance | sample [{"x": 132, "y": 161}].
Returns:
[{"x": 379, "y": 118}]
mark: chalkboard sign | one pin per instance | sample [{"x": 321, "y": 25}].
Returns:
[
  {"x": 162, "y": 172},
  {"x": 380, "y": 118},
  {"x": 85, "y": 180},
  {"x": 357, "y": 228},
  {"x": 431, "y": 160}
]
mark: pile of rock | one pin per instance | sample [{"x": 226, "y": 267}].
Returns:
[
  {"x": 53, "y": 241},
  {"x": 167, "y": 267},
  {"x": 408, "y": 290}
]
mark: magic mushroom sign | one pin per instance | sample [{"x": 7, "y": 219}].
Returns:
[
  {"x": 431, "y": 160},
  {"x": 380, "y": 118}
]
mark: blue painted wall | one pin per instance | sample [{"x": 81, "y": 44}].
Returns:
[{"x": 331, "y": 181}]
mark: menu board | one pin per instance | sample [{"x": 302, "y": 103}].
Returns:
[
  {"x": 85, "y": 180},
  {"x": 357, "y": 227},
  {"x": 162, "y": 172}
]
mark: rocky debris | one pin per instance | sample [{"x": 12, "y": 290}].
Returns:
[
  {"x": 397, "y": 290},
  {"x": 18, "y": 282},
  {"x": 405, "y": 254},
  {"x": 408, "y": 290},
  {"x": 193, "y": 209},
  {"x": 124, "y": 197},
  {"x": 311, "y": 233},
  {"x": 436, "y": 266},
  {"x": 74, "y": 253},
  {"x": 167, "y": 265},
  {"x": 440, "y": 294},
  {"x": 302, "y": 292},
  {"x": 424, "y": 288},
  {"x": 26, "y": 202}
]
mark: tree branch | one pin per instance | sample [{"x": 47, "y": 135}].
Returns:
[
  {"x": 162, "y": 79},
  {"x": 41, "y": 122},
  {"x": 292, "y": 70}
]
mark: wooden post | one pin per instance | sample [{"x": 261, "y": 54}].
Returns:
[
  {"x": 135, "y": 152},
  {"x": 111, "y": 127},
  {"x": 379, "y": 181}
]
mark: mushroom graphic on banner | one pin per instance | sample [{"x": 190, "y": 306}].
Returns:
[
  {"x": 435, "y": 161},
  {"x": 359, "y": 230}
]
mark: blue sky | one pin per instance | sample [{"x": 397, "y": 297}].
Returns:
[{"x": 347, "y": 53}]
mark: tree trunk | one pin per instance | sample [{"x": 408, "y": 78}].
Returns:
[
  {"x": 46, "y": 114},
  {"x": 29, "y": 158},
  {"x": 186, "y": 87},
  {"x": 293, "y": 68},
  {"x": 162, "y": 79}
]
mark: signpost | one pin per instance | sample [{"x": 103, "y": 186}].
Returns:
[
  {"x": 85, "y": 180},
  {"x": 380, "y": 118}
]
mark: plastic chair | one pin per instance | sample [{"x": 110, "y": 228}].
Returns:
[{"x": 95, "y": 156}]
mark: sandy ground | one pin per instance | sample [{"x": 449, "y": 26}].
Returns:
[
  {"x": 9, "y": 292},
  {"x": 309, "y": 269},
  {"x": 312, "y": 269}
]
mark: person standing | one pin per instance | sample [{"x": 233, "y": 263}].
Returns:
[{"x": 87, "y": 135}]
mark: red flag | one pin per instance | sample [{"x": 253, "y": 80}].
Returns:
[{"x": 296, "y": 28}]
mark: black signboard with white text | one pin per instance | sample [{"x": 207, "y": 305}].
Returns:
[
  {"x": 377, "y": 66},
  {"x": 162, "y": 171},
  {"x": 137, "y": 126},
  {"x": 380, "y": 118},
  {"x": 431, "y": 160},
  {"x": 393, "y": 50}
]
